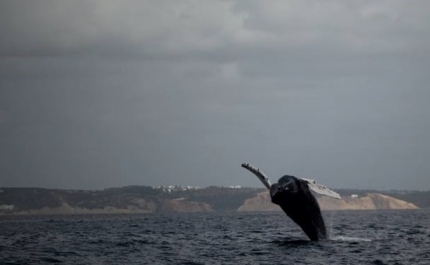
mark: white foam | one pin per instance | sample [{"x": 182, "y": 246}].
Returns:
[{"x": 352, "y": 239}]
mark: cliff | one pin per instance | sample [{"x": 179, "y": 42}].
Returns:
[
  {"x": 182, "y": 206},
  {"x": 167, "y": 206},
  {"x": 142, "y": 199},
  {"x": 259, "y": 203},
  {"x": 133, "y": 199},
  {"x": 371, "y": 201}
]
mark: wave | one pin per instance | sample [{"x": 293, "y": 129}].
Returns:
[{"x": 351, "y": 239}]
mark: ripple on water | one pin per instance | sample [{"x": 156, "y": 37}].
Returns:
[
  {"x": 350, "y": 239},
  {"x": 253, "y": 238}
]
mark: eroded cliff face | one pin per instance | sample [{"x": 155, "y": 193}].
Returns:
[
  {"x": 260, "y": 203},
  {"x": 148, "y": 200},
  {"x": 184, "y": 206},
  {"x": 138, "y": 206},
  {"x": 372, "y": 201}
]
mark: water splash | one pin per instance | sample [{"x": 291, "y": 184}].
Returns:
[{"x": 351, "y": 239}]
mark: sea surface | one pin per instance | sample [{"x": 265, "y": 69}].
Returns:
[{"x": 356, "y": 237}]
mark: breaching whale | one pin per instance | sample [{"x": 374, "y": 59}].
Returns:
[{"x": 295, "y": 199}]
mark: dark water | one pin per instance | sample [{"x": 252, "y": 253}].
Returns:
[{"x": 357, "y": 237}]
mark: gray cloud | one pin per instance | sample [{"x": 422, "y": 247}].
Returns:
[{"x": 97, "y": 94}]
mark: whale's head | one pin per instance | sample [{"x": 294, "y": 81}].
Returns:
[{"x": 285, "y": 189}]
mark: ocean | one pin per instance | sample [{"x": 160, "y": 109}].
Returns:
[{"x": 356, "y": 237}]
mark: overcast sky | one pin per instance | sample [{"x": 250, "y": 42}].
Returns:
[{"x": 97, "y": 94}]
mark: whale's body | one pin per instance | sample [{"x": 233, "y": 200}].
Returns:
[
  {"x": 296, "y": 200},
  {"x": 294, "y": 197}
]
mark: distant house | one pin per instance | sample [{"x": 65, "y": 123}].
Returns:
[
  {"x": 6, "y": 207},
  {"x": 354, "y": 196}
]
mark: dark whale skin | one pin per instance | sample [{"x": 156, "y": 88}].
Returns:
[{"x": 296, "y": 200}]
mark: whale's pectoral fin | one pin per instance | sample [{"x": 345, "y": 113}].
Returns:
[
  {"x": 260, "y": 175},
  {"x": 321, "y": 189}
]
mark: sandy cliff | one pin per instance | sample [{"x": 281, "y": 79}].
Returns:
[
  {"x": 138, "y": 206},
  {"x": 143, "y": 199},
  {"x": 372, "y": 201},
  {"x": 184, "y": 206},
  {"x": 260, "y": 203}
]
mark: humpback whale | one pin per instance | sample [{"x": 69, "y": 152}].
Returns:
[{"x": 293, "y": 195}]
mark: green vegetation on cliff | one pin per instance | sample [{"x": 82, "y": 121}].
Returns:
[
  {"x": 133, "y": 198},
  {"x": 144, "y": 199}
]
